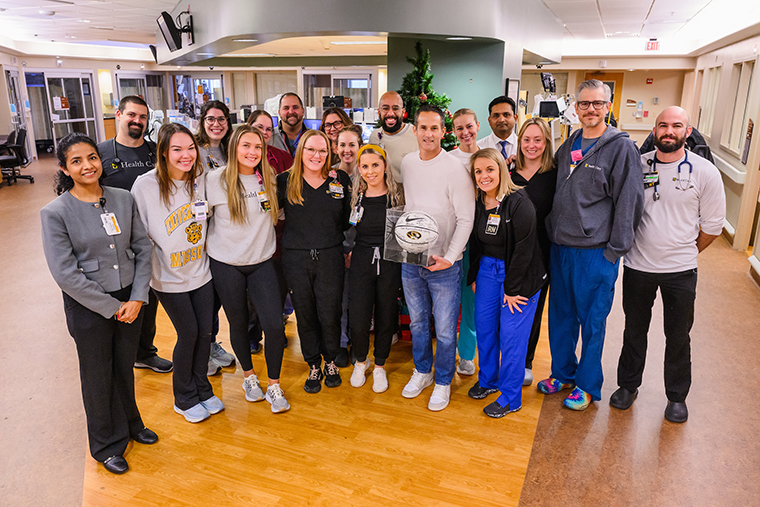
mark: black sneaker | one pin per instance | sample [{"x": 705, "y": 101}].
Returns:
[
  {"x": 332, "y": 375},
  {"x": 155, "y": 363},
  {"x": 478, "y": 393},
  {"x": 342, "y": 359},
  {"x": 255, "y": 347},
  {"x": 497, "y": 411},
  {"x": 314, "y": 382}
]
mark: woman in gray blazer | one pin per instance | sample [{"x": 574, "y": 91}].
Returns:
[{"x": 100, "y": 255}]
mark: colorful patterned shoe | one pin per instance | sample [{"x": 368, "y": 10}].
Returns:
[
  {"x": 578, "y": 400},
  {"x": 552, "y": 385}
]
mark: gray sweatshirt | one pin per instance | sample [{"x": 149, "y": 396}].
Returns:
[
  {"x": 180, "y": 263},
  {"x": 599, "y": 204}
]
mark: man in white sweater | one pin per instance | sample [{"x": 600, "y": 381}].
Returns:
[
  {"x": 436, "y": 182},
  {"x": 684, "y": 209}
]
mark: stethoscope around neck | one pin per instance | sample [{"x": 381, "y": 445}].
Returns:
[
  {"x": 117, "y": 161},
  {"x": 653, "y": 163}
]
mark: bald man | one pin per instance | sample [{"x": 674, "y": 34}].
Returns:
[
  {"x": 684, "y": 209},
  {"x": 394, "y": 136}
]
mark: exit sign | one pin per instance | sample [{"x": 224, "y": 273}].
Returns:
[{"x": 653, "y": 45}]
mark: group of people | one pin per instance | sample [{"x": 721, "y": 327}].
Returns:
[{"x": 244, "y": 218}]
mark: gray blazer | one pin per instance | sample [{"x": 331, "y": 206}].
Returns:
[{"x": 86, "y": 262}]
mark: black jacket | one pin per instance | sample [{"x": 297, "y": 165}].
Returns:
[{"x": 525, "y": 273}]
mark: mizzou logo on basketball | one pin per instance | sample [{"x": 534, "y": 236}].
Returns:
[
  {"x": 194, "y": 232},
  {"x": 413, "y": 235}
]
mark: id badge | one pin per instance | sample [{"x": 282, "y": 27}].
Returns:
[
  {"x": 110, "y": 224},
  {"x": 492, "y": 226},
  {"x": 356, "y": 216},
  {"x": 651, "y": 179},
  {"x": 264, "y": 201},
  {"x": 336, "y": 190},
  {"x": 200, "y": 210}
]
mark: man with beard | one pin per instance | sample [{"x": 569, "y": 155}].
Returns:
[
  {"x": 124, "y": 158},
  {"x": 597, "y": 206},
  {"x": 394, "y": 136},
  {"x": 502, "y": 119},
  {"x": 684, "y": 209},
  {"x": 290, "y": 128}
]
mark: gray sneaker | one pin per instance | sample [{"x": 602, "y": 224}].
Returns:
[
  {"x": 221, "y": 356},
  {"x": 276, "y": 398},
  {"x": 466, "y": 367},
  {"x": 214, "y": 368},
  {"x": 252, "y": 388}
]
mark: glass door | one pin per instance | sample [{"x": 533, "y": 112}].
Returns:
[
  {"x": 358, "y": 89},
  {"x": 71, "y": 106},
  {"x": 131, "y": 86}
]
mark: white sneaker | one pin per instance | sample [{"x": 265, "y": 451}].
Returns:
[
  {"x": 358, "y": 375},
  {"x": 417, "y": 383},
  {"x": 466, "y": 367},
  {"x": 528, "y": 380},
  {"x": 380, "y": 380},
  {"x": 276, "y": 398},
  {"x": 394, "y": 339},
  {"x": 440, "y": 398},
  {"x": 252, "y": 388}
]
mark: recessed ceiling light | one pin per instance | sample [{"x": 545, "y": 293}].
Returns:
[
  {"x": 359, "y": 42},
  {"x": 205, "y": 54},
  {"x": 71, "y": 37},
  {"x": 83, "y": 20},
  {"x": 245, "y": 40},
  {"x": 458, "y": 38},
  {"x": 46, "y": 12}
]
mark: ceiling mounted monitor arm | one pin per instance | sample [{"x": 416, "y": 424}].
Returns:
[{"x": 187, "y": 27}]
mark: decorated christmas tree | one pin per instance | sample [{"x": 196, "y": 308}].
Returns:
[{"x": 417, "y": 89}]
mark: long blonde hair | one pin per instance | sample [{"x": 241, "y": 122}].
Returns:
[
  {"x": 165, "y": 183},
  {"x": 506, "y": 185},
  {"x": 395, "y": 194},
  {"x": 295, "y": 173},
  {"x": 235, "y": 189},
  {"x": 547, "y": 159}
]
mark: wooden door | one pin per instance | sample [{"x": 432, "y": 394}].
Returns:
[{"x": 615, "y": 81}]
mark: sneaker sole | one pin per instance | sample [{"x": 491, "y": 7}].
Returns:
[
  {"x": 188, "y": 419},
  {"x": 222, "y": 364},
  {"x": 144, "y": 366},
  {"x": 411, "y": 395},
  {"x": 312, "y": 390},
  {"x": 214, "y": 412},
  {"x": 364, "y": 381},
  {"x": 378, "y": 391},
  {"x": 543, "y": 390},
  {"x": 499, "y": 416},
  {"x": 437, "y": 408},
  {"x": 280, "y": 411},
  {"x": 484, "y": 395},
  {"x": 329, "y": 383},
  {"x": 254, "y": 400},
  {"x": 466, "y": 373}
]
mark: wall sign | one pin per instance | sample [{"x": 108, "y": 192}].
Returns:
[
  {"x": 650, "y": 80},
  {"x": 653, "y": 45}
]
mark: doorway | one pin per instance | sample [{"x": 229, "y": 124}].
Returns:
[{"x": 615, "y": 81}]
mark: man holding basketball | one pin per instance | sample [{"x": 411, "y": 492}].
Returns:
[{"x": 436, "y": 183}]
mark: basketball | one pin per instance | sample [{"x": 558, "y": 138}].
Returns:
[{"x": 416, "y": 231}]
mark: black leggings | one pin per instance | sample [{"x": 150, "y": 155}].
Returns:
[
  {"x": 315, "y": 279},
  {"x": 192, "y": 315},
  {"x": 107, "y": 350},
  {"x": 235, "y": 284},
  {"x": 369, "y": 291}
]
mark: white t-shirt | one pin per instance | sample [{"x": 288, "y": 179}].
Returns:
[
  {"x": 442, "y": 188},
  {"x": 396, "y": 146},
  {"x": 180, "y": 263},
  {"x": 665, "y": 240},
  {"x": 463, "y": 157},
  {"x": 492, "y": 141},
  {"x": 232, "y": 243}
]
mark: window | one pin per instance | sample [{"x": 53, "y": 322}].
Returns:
[
  {"x": 735, "y": 122},
  {"x": 707, "y": 101}
]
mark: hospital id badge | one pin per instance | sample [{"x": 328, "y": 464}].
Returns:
[
  {"x": 356, "y": 216},
  {"x": 336, "y": 190},
  {"x": 200, "y": 210},
  {"x": 110, "y": 224},
  {"x": 651, "y": 179},
  {"x": 492, "y": 226},
  {"x": 264, "y": 202}
]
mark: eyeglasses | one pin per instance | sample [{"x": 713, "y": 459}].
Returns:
[
  {"x": 334, "y": 125},
  {"x": 266, "y": 130},
  {"x": 311, "y": 152},
  {"x": 221, "y": 120},
  {"x": 583, "y": 104}
]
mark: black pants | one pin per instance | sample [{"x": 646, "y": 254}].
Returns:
[
  {"x": 235, "y": 284},
  {"x": 191, "y": 314},
  {"x": 535, "y": 330},
  {"x": 254, "y": 326},
  {"x": 315, "y": 280},
  {"x": 146, "y": 348},
  {"x": 678, "y": 291},
  {"x": 369, "y": 291},
  {"x": 107, "y": 350}
]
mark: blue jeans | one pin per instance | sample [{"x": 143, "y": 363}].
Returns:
[
  {"x": 583, "y": 287},
  {"x": 437, "y": 293},
  {"x": 502, "y": 335}
]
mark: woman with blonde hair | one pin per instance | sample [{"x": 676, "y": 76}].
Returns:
[
  {"x": 241, "y": 242},
  {"x": 508, "y": 271},
  {"x": 315, "y": 199},
  {"x": 535, "y": 171},
  {"x": 172, "y": 206},
  {"x": 374, "y": 283}
]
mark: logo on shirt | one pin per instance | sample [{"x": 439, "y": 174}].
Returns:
[
  {"x": 194, "y": 232},
  {"x": 178, "y": 217}
]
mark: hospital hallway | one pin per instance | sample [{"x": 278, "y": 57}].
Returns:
[{"x": 347, "y": 446}]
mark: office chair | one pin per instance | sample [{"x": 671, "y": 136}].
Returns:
[{"x": 12, "y": 162}]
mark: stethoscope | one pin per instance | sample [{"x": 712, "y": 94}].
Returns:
[
  {"x": 117, "y": 161},
  {"x": 653, "y": 163}
]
